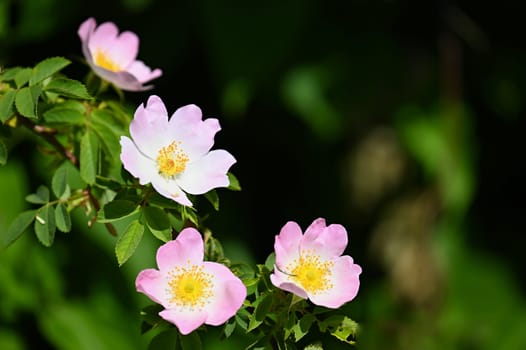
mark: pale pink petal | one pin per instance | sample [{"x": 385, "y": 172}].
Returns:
[
  {"x": 185, "y": 320},
  {"x": 207, "y": 173},
  {"x": 149, "y": 127},
  {"x": 346, "y": 282},
  {"x": 228, "y": 294},
  {"x": 187, "y": 248},
  {"x": 135, "y": 162},
  {"x": 86, "y": 28},
  {"x": 196, "y": 135},
  {"x": 170, "y": 189},
  {"x": 103, "y": 37},
  {"x": 142, "y": 72},
  {"x": 328, "y": 242},
  {"x": 282, "y": 281},
  {"x": 153, "y": 284},
  {"x": 124, "y": 50},
  {"x": 287, "y": 244}
]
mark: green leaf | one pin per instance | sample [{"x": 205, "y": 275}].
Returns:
[
  {"x": 68, "y": 87},
  {"x": 270, "y": 261},
  {"x": 40, "y": 197},
  {"x": 6, "y": 105},
  {"x": 18, "y": 226},
  {"x": 26, "y": 101},
  {"x": 3, "y": 153},
  {"x": 45, "y": 225},
  {"x": 128, "y": 242},
  {"x": 88, "y": 157},
  {"x": 191, "y": 341},
  {"x": 61, "y": 115},
  {"x": 263, "y": 307},
  {"x": 10, "y": 73},
  {"x": 22, "y": 76},
  {"x": 108, "y": 133},
  {"x": 59, "y": 181},
  {"x": 62, "y": 218},
  {"x": 116, "y": 210},
  {"x": 47, "y": 68},
  {"x": 108, "y": 183},
  {"x": 314, "y": 346},
  {"x": 156, "y": 218},
  {"x": 301, "y": 328},
  {"x": 234, "y": 183},
  {"x": 213, "y": 198},
  {"x": 164, "y": 340},
  {"x": 229, "y": 328},
  {"x": 341, "y": 327}
]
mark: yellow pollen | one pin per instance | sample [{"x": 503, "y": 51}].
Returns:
[
  {"x": 171, "y": 160},
  {"x": 102, "y": 60},
  {"x": 311, "y": 273},
  {"x": 190, "y": 286}
]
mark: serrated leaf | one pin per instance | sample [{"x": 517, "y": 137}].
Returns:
[
  {"x": 191, "y": 341},
  {"x": 233, "y": 183},
  {"x": 213, "y": 198},
  {"x": 3, "y": 153},
  {"x": 117, "y": 210},
  {"x": 18, "y": 226},
  {"x": 45, "y": 225},
  {"x": 68, "y": 87},
  {"x": 47, "y": 68},
  {"x": 59, "y": 181},
  {"x": 88, "y": 157},
  {"x": 22, "y": 76},
  {"x": 163, "y": 235},
  {"x": 62, "y": 218},
  {"x": 62, "y": 115},
  {"x": 10, "y": 73},
  {"x": 26, "y": 100},
  {"x": 128, "y": 242},
  {"x": 6, "y": 105},
  {"x": 164, "y": 340},
  {"x": 40, "y": 197}
]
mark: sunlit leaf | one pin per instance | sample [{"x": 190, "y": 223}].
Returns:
[
  {"x": 6, "y": 105},
  {"x": 68, "y": 87},
  {"x": 26, "y": 101},
  {"x": 62, "y": 218},
  {"x": 45, "y": 225},
  {"x": 18, "y": 226},
  {"x": 341, "y": 327},
  {"x": 128, "y": 242},
  {"x": 46, "y": 68},
  {"x": 88, "y": 157}
]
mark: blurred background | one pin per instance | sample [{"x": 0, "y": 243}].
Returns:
[{"x": 401, "y": 120}]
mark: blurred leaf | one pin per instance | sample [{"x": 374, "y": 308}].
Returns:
[
  {"x": 22, "y": 76},
  {"x": 213, "y": 198},
  {"x": 156, "y": 218},
  {"x": 45, "y": 225},
  {"x": 59, "y": 181},
  {"x": 191, "y": 341},
  {"x": 47, "y": 68},
  {"x": 108, "y": 133},
  {"x": 61, "y": 115},
  {"x": 117, "y": 210},
  {"x": 341, "y": 327},
  {"x": 3, "y": 153},
  {"x": 62, "y": 218},
  {"x": 314, "y": 346},
  {"x": 26, "y": 101},
  {"x": 165, "y": 340},
  {"x": 40, "y": 197},
  {"x": 68, "y": 87},
  {"x": 229, "y": 327},
  {"x": 88, "y": 157},
  {"x": 10, "y": 73},
  {"x": 270, "y": 261},
  {"x": 108, "y": 183},
  {"x": 18, "y": 226},
  {"x": 233, "y": 183},
  {"x": 6, "y": 105},
  {"x": 128, "y": 242},
  {"x": 302, "y": 327}
]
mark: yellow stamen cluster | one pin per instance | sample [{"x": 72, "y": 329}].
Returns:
[
  {"x": 102, "y": 60},
  {"x": 312, "y": 273},
  {"x": 171, "y": 160},
  {"x": 190, "y": 286}
]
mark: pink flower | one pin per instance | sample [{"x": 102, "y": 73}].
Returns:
[
  {"x": 192, "y": 292},
  {"x": 174, "y": 154},
  {"x": 113, "y": 56},
  {"x": 311, "y": 265}
]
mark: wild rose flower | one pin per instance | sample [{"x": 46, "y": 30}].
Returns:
[
  {"x": 311, "y": 265},
  {"x": 174, "y": 154},
  {"x": 191, "y": 291},
  {"x": 113, "y": 56}
]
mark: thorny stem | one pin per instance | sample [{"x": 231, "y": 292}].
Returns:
[{"x": 48, "y": 135}]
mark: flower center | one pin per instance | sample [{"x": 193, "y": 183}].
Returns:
[
  {"x": 190, "y": 286},
  {"x": 102, "y": 60},
  {"x": 312, "y": 273},
  {"x": 171, "y": 160}
]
